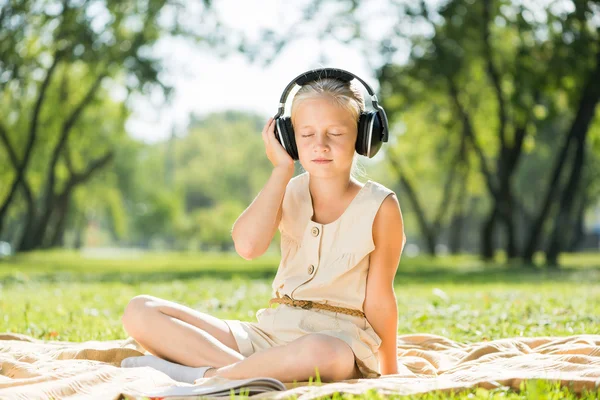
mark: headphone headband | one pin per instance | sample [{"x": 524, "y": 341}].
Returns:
[{"x": 335, "y": 73}]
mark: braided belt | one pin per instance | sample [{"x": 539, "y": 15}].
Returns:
[{"x": 307, "y": 305}]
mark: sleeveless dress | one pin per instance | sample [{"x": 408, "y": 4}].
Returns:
[{"x": 326, "y": 263}]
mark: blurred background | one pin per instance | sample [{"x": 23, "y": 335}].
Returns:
[{"x": 135, "y": 126}]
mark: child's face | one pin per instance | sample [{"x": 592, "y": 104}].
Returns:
[{"x": 324, "y": 130}]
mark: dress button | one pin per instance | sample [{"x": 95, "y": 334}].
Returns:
[
  {"x": 315, "y": 231},
  {"x": 311, "y": 269}
]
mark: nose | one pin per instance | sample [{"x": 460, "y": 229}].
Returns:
[{"x": 320, "y": 143}]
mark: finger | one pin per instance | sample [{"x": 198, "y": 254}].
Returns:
[
  {"x": 271, "y": 130},
  {"x": 266, "y": 129}
]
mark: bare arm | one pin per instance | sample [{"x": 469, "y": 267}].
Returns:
[
  {"x": 255, "y": 227},
  {"x": 380, "y": 304},
  {"x": 253, "y": 230}
]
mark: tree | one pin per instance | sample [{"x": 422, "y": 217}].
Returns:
[
  {"x": 45, "y": 47},
  {"x": 519, "y": 67}
]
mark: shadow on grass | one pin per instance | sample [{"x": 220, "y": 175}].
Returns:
[{"x": 488, "y": 274}]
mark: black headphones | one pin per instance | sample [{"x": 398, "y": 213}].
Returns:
[{"x": 372, "y": 125}]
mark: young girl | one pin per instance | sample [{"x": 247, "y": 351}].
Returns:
[{"x": 341, "y": 243}]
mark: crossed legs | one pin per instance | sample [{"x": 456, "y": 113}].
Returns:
[{"x": 191, "y": 338}]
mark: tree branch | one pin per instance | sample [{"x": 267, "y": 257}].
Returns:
[
  {"x": 468, "y": 131},
  {"x": 427, "y": 230},
  {"x": 577, "y": 132},
  {"x": 448, "y": 186},
  {"x": 68, "y": 160},
  {"x": 81, "y": 177},
  {"x": 9, "y": 149},
  {"x": 494, "y": 74},
  {"x": 66, "y": 129},
  {"x": 30, "y": 140}
]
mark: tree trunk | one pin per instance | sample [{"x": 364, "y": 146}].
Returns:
[
  {"x": 457, "y": 224},
  {"x": 35, "y": 240},
  {"x": 428, "y": 234},
  {"x": 577, "y": 132},
  {"x": 507, "y": 215},
  {"x": 487, "y": 235},
  {"x": 21, "y": 168},
  {"x": 25, "y": 242},
  {"x": 80, "y": 231},
  {"x": 578, "y": 225},
  {"x": 458, "y": 219},
  {"x": 502, "y": 211},
  {"x": 512, "y": 251},
  {"x": 57, "y": 239},
  {"x": 561, "y": 225},
  {"x": 42, "y": 223},
  {"x": 48, "y": 195}
]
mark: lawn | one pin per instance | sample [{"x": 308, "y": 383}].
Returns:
[{"x": 67, "y": 296}]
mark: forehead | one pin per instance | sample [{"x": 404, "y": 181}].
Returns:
[{"x": 322, "y": 112}]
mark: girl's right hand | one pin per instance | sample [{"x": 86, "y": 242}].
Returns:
[{"x": 278, "y": 156}]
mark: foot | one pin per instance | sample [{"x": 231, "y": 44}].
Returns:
[{"x": 178, "y": 372}]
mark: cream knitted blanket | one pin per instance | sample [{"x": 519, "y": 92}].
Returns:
[{"x": 36, "y": 369}]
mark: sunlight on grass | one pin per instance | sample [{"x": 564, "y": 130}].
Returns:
[{"x": 62, "y": 295}]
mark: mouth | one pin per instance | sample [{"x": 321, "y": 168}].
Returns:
[{"x": 321, "y": 160}]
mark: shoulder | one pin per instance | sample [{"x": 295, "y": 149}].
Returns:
[
  {"x": 292, "y": 204},
  {"x": 297, "y": 181},
  {"x": 388, "y": 225},
  {"x": 380, "y": 188},
  {"x": 295, "y": 195},
  {"x": 389, "y": 210},
  {"x": 295, "y": 186}
]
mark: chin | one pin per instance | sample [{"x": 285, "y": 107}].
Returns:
[{"x": 323, "y": 171}]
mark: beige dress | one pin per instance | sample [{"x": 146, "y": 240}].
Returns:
[{"x": 326, "y": 263}]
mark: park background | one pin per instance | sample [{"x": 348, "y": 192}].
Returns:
[
  {"x": 137, "y": 125},
  {"x": 130, "y": 143}
]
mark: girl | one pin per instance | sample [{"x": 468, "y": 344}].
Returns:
[{"x": 341, "y": 243}]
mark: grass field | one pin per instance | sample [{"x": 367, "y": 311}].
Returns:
[{"x": 67, "y": 296}]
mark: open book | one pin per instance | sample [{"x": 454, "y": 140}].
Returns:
[{"x": 247, "y": 387}]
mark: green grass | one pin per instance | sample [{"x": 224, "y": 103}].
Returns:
[{"x": 65, "y": 296}]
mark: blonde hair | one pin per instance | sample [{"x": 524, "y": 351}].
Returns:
[{"x": 343, "y": 94}]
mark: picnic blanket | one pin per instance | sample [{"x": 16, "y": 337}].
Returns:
[{"x": 37, "y": 369}]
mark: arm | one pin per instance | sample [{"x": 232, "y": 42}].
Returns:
[
  {"x": 380, "y": 305},
  {"x": 254, "y": 229}
]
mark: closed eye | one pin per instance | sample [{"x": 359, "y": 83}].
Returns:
[{"x": 332, "y": 134}]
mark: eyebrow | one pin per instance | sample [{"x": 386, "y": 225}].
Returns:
[{"x": 330, "y": 126}]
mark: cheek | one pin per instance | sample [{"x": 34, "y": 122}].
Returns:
[{"x": 346, "y": 145}]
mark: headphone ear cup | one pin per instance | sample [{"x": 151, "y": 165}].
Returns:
[
  {"x": 360, "y": 146},
  {"x": 284, "y": 132},
  {"x": 368, "y": 141}
]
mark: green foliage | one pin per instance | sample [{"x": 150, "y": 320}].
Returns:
[
  {"x": 156, "y": 214},
  {"x": 67, "y": 71},
  {"x": 541, "y": 58},
  {"x": 222, "y": 156},
  {"x": 186, "y": 191},
  {"x": 214, "y": 224}
]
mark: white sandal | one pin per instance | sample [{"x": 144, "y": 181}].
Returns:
[
  {"x": 203, "y": 370},
  {"x": 189, "y": 374}
]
